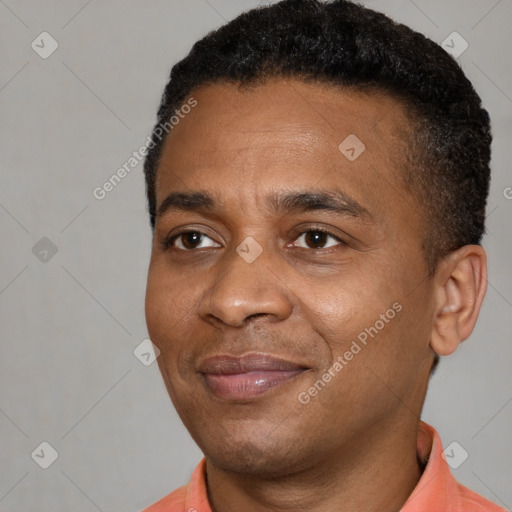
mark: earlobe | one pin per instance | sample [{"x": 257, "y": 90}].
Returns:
[{"x": 461, "y": 283}]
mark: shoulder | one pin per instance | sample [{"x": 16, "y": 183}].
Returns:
[
  {"x": 190, "y": 497},
  {"x": 174, "y": 502},
  {"x": 472, "y": 502}
]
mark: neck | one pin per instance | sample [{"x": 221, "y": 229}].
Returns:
[{"x": 377, "y": 471}]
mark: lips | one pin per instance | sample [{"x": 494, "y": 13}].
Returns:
[{"x": 248, "y": 376}]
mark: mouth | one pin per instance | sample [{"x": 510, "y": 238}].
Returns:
[{"x": 245, "y": 377}]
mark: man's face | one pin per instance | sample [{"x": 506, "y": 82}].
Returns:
[{"x": 245, "y": 335}]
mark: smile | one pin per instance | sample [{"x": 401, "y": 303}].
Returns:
[{"x": 248, "y": 376}]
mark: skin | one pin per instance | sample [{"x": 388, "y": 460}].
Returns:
[{"x": 302, "y": 299}]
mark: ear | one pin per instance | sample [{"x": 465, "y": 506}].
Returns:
[{"x": 461, "y": 283}]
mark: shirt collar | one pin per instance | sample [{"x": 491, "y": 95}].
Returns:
[{"x": 437, "y": 489}]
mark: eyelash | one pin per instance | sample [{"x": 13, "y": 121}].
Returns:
[{"x": 169, "y": 240}]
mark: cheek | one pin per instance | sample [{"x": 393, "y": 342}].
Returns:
[
  {"x": 168, "y": 308},
  {"x": 158, "y": 312},
  {"x": 370, "y": 319},
  {"x": 167, "y": 305},
  {"x": 341, "y": 308}
]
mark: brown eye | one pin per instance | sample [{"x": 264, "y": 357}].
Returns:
[
  {"x": 189, "y": 240},
  {"x": 317, "y": 239}
]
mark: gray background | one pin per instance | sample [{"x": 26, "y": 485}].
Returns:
[{"x": 69, "y": 324}]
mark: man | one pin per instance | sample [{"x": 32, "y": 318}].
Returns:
[{"x": 317, "y": 202}]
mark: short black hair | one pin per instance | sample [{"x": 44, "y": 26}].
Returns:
[{"x": 446, "y": 153}]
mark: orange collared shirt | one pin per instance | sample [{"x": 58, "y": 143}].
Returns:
[{"x": 436, "y": 491}]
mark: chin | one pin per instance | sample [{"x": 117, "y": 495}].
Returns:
[
  {"x": 265, "y": 458},
  {"x": 247, "y": 458}
]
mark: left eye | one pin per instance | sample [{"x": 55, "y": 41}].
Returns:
[{"x": 315, "y": 238}]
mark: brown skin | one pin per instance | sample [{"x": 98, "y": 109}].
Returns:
[{"x": 300, "y": 301}]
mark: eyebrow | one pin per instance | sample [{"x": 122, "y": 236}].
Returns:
[{"x": 334, "y": 201}]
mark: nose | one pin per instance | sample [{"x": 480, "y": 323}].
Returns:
[{"x": 243, "y": 290}]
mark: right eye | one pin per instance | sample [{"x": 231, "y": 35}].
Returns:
[{"x": 187, "y": 241}]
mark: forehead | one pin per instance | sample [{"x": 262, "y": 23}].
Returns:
[{"x": 285, "y": 132}]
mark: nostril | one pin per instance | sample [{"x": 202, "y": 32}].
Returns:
[{"x": 255, "y": 315}]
